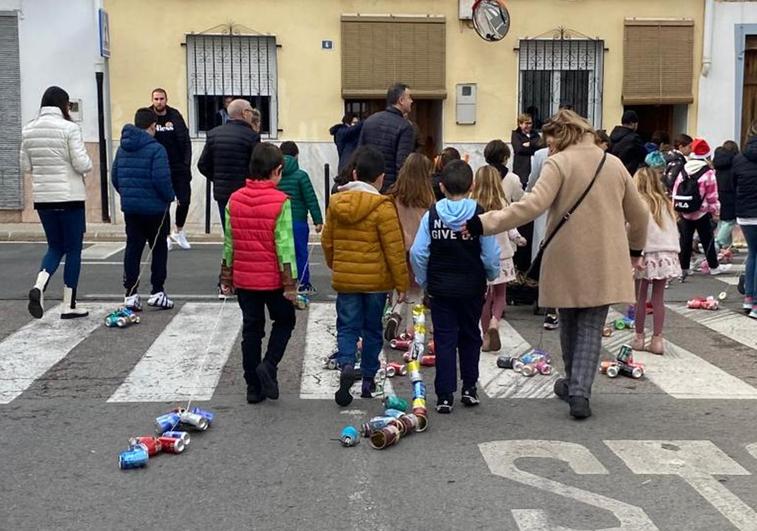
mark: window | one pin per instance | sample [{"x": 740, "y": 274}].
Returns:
[
  {"x": 239, "y": 66},
  {"x": 561, "y": 71},
  {"x": 658, "y": 62}
]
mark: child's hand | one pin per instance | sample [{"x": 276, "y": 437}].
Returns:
[
  {"x": 319, "y": 228},
  {"x": 290, "y": 294},
  {"x": 638, "y": 263},
  {"x": 520, "y": 241}
]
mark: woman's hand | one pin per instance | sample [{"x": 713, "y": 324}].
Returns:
[{"x": 638, "y": 263}]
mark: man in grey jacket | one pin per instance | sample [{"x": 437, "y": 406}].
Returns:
[{"x": 391, "y": 132}]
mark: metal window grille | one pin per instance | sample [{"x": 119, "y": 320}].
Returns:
[
  {"x": 561, "y": 71},
  {"x": 241, "y": 66}
]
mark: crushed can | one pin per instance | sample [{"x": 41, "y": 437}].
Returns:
[
  {"x": 385, "y": 437},
  {"x": 302, "y": 301},
  {"x": 151, "y": 444},
  {"x": 208, "y": 415},
  {"x": 183, "y": 435},
  {"x": 134, "y": 457},
  {"x": 198, "y": 422},
  {"x": 505, "y": 362},
  {"x": 395, "y": 402},
  {"x": 167, "y": 422},
  {"x": 349, "y": 436},
  {"x": 171, "y": 445}
]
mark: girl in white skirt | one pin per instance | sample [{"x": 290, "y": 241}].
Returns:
[{"x": 660, "y": 254}]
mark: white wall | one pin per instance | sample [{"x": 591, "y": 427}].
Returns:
[
  {"x": 59, "y": 45},
  {"x": 716, "y": 112}
]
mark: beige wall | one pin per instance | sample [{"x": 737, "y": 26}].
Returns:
[{"x": 147, "y": 52}]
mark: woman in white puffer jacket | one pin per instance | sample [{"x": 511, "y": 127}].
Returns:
[{"x": 52, "y": 149}]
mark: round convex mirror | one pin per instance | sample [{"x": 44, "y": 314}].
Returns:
[{"x": 491, "y": 19}]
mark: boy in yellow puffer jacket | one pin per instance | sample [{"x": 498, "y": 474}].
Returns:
[{"x": 362, "y": 242}]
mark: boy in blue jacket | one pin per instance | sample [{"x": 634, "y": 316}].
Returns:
[
  {"x": 453, "y": 269},
  {"x": 142, "y": 177}
]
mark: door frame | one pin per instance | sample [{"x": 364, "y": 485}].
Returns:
[{"x": 741, "y": 32}]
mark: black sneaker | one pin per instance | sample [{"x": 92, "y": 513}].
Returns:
[
  {"x": 267, "y": 375},
  {"x": 551, "y": 322},
  {"x": 254, "y": 396},
  {"x": 392, "y": 325},
  {"x": 561, "y": 388},
  {"x": 347, "y": 377},
  {"x": 369, "y": 387},
  {"x": 444, "y": 404},
  {"x": 579, "y": 407},
  {"x": 470, "y": 397}
]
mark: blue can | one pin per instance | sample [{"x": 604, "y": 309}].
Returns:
[
  {"x": 167, "y": 422},
  {"x": 394, "y": 413},
  {"x": 419, "y": 390},
  {"x": 183, "y": 435},
  {"x": 134, "y": 457},
  {"x": 208, "y": 415},
  {"x": 349, "y": 436}
]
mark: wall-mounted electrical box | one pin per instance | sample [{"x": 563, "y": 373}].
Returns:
[
  {"x": 465, "y": 103},
  {"x": 465, "y": 8},
  {"x": 76, "y": 110}
]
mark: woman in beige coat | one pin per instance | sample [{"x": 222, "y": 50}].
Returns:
[{"x": 588, "y": 265}]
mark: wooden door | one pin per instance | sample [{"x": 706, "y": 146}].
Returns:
[{"x": 749, "y": 103}]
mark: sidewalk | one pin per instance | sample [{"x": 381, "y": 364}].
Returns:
[{"x": 105, "y": 232}]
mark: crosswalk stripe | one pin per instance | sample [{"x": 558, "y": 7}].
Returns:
[
  {"x": 33, "y": 349},
  {"x": 101, "y": 251},
  {"x": 177, "y": 366},
  {"x": 317, "y": 382},
  {"x": 731, "y": 281},
  {"x": 735, "y": 326},
  {"x": 682, "y": 374},
  {"x": 503, "y": 383}
]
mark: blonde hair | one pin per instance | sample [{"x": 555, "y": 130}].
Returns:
[
  {"x": 566, "y": 128},
  {"x": 523, "y": 118},
  {"x": 487, "y": 189},
  {"x": 413, "y": 185},
  {"x": 649, "y": 184}
]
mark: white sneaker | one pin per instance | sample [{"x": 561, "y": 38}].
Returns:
[
  {"x": 722, "y": 268},
  {"x": 133, "y": 302},
  {"x": 753, "y": 314},
  {"x": 181, "y": 239},
  {"x": 160, "y": 300}
]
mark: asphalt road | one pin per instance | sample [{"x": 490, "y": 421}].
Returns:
[{"x": 676, "y": 450}]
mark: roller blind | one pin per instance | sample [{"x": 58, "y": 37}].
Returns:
[
  {"x": 379, "y": 51},
  {"x": 11, "y": 195},
  {"x": 658, "y": 62}
]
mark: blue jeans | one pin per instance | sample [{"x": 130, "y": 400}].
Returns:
[
  {"x": 359, "y": 315},
  {"x": 750, "y": 277},
  {"x": 301, "y": 237},
  {"x": 64, "y": 230},
  {"x": 724, "y": 237}
]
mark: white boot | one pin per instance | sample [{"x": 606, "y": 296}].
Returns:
[
  {"x": 70, "y": 311},
  {"x": 37, "y": 295}
]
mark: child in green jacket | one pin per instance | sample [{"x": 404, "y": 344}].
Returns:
[{"x": 296, "y": 184}]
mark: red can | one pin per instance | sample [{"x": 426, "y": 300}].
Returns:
[
  {"x": 171, "y": 445},
  {"x": 420, "y": 412},
  {"x": 152, "y": 444},
  {"x": 385, "y": 437},
  {"x": 428, "y": 360}
]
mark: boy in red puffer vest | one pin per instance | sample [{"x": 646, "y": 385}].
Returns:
[{"x": 260, "y": 265}]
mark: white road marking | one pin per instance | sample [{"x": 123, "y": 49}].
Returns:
[
  {"x": 505, "y": 383},
  {"x": 176, "y": 366},
  {"x": 317, "y": 382},
  {"x": 696, "y": 462},
  {"x": 733, "y": 325},
  {"x": 501, "y": 457},
  {"x": 101, "y": 251},
  {"x": 681, "y": 373},
  {"x": 731, "y": 281},
  {"x": 33, "y": 349}
]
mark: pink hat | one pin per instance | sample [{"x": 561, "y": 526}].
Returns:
[{"x": 700, "y": 149}]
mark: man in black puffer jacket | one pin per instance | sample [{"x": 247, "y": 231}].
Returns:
[
  {"x": 722, "y": 162},
  {"x": 225, "y": 160},
  {"x": 391, "y": 132},
  {"x": 627, "y": 144},
  {"x": 744, "y": 173}
]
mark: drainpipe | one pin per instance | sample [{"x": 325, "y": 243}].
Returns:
[{"x": 709, "y": 16}]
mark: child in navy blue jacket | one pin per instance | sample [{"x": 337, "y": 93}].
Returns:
[
  {"x": 142, "y": 177},
  {"x": 453, "y": 269}
]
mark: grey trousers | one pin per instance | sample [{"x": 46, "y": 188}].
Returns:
[{"x": 581, "y": 343}]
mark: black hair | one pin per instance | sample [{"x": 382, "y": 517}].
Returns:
[
  {"x": 348, "y": 117},
  {"x": 56, "y": 97},
  {"x": 660, "y": 138},
  {"x": 289, "y": 148},
  {"x": 266, "y": 157},
  {"x": 457, "y": 177},
  {"x": 447, "y": 155},
  {"x": 395, "y": 92},
  {"x": 730, "y": 146},
  {"x": 602, "y": 137},
  {"x": 682, "y": 140},
  {"x": 369, "y": 164},
  {"x": 162, "y": 91},
  {"x": 145, "y": 117},
  {"x": 496, "y": 152}
]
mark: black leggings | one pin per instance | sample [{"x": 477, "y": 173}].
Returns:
[
  {"x": 703, "y": 227},
  {"x": 182, "y": 209}
]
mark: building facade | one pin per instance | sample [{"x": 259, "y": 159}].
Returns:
[
  {"x": 728, "y": 85},
  {"x": 44, "y": 43}
]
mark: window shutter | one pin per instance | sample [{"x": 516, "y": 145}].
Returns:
[
  {"x": 658, "y": 62},
  {"x": 10, "y": 113},
  {"x": 379, "y": 51}
]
